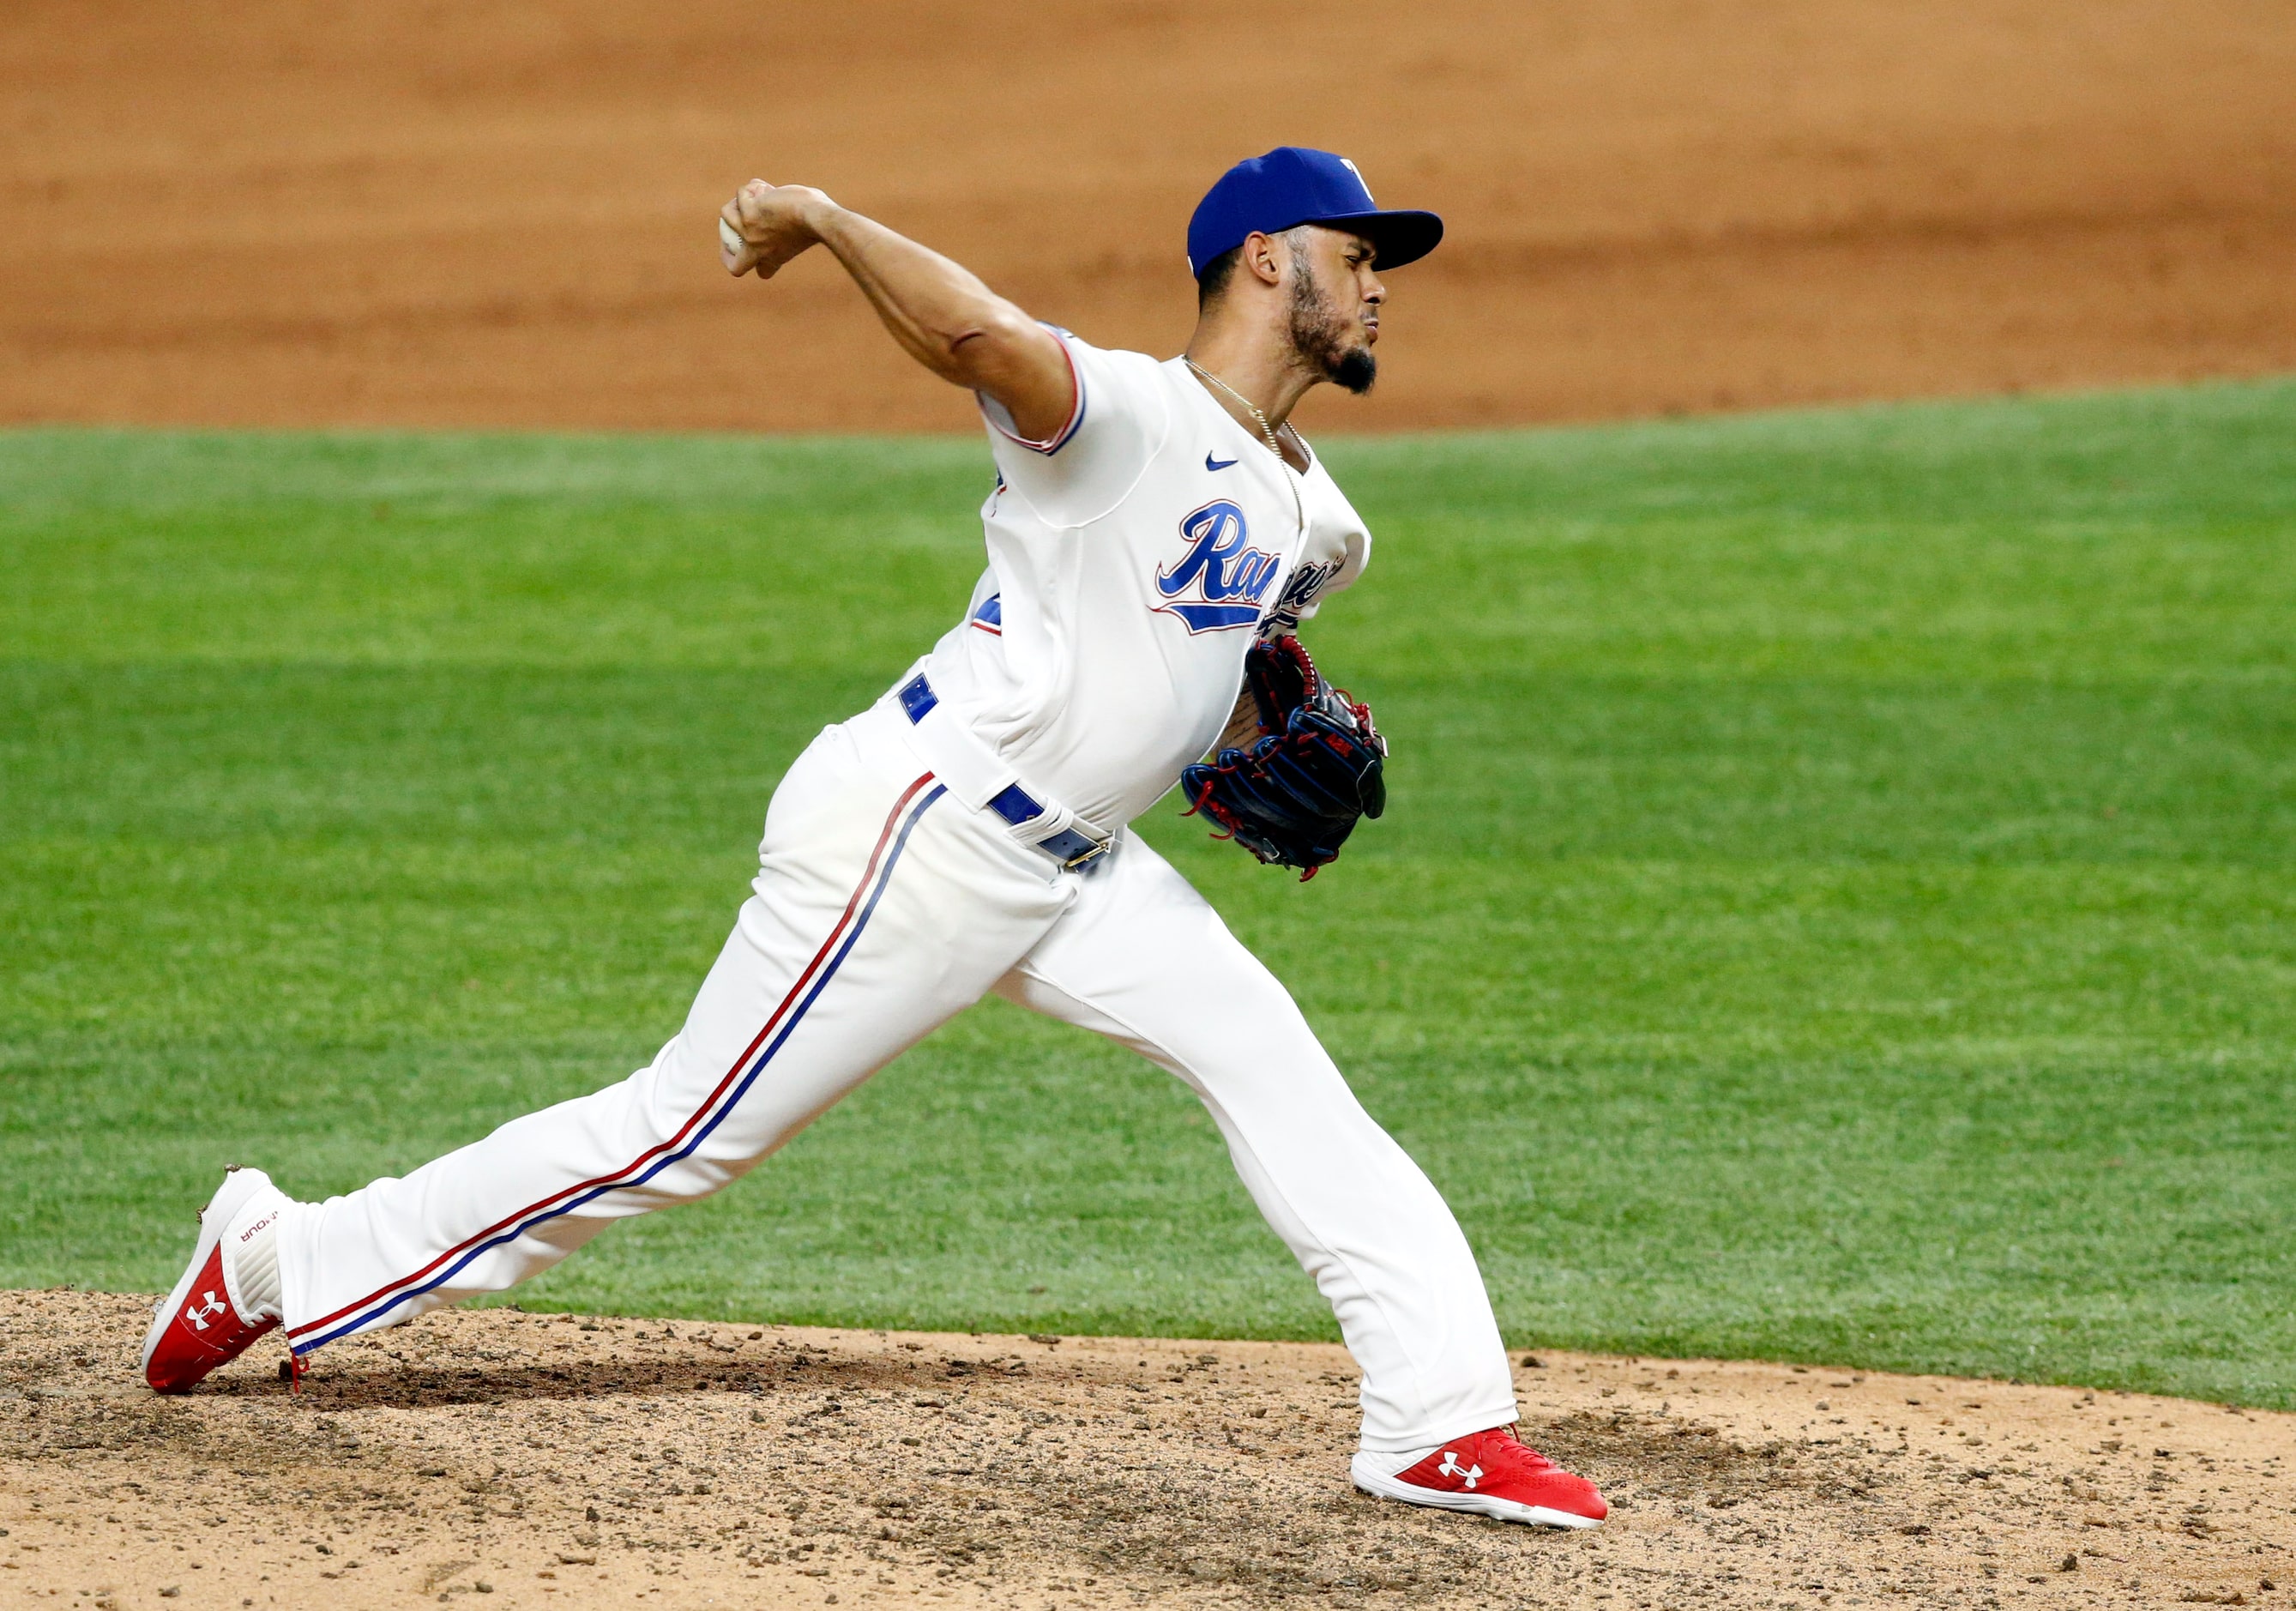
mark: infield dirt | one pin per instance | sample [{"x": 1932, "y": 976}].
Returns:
[
  {"x": 549, "y": 1460},
  {"x": 490, "y": 213}
]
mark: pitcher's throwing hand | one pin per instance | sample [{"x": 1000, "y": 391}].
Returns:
[{"x": 764, "y": 225}]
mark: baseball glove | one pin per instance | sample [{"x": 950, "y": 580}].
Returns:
[{"x": 1292, "y": 795}]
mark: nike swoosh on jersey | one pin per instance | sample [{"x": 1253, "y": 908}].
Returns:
[{"x": 1216, "y": 464}]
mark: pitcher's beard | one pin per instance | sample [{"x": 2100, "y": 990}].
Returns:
[
  {"x": 1356, "y": 370},
  {"x": 1319, "y": 337}
]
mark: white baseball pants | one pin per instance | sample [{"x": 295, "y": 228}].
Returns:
[{"x": 883, "y": 907}]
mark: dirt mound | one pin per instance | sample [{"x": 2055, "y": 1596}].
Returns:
[
  {"x": 415, "y": 212},
  {"x": 554, "y": 1461}
]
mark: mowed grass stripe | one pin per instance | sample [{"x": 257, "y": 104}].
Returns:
[{"x": 1836, "y": 903}]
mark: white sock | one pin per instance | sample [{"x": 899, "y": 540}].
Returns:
[{"x": 255, "y": 1266}]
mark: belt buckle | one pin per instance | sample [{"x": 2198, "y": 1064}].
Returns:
[
  {"x": 1087, "y": 856},
  {"x": 1070, "y": 849}
]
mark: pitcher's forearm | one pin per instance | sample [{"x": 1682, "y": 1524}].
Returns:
[{"x": 938, "y": 310}]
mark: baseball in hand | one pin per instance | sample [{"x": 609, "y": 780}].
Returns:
[{"x": 730, "y": 246}]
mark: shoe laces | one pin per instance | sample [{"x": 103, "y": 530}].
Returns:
[{"x": 1506, "y": 1446}]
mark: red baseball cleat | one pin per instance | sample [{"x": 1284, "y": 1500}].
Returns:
[
  {"x": 1491, "y": 1473},
  {"x": 206, "y": 1322}
]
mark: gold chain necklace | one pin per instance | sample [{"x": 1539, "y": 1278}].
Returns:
[{"x": 1250, "y": 407}]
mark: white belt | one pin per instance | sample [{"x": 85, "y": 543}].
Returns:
[{"x": 980, "y": 778}]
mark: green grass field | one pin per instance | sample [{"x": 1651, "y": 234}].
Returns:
[{"x": 1838, "y": 901}]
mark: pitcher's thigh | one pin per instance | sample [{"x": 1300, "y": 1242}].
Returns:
[{"x": 1143, "y": 959}]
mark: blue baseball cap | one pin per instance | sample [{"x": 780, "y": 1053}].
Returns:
[{"x": 1291, "y": 186}]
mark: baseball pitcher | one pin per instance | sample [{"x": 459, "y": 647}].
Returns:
[{"x": 1157, "y": 532}]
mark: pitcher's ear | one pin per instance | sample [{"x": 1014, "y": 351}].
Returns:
[{"x": 1261, "y": 259}]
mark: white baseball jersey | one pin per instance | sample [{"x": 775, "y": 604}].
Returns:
[{"x": 1132, "y": 559}]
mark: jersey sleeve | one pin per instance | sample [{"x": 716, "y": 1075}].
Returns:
[
  {"x": 1356, "y": 555},
  {"x": 1115, "y": 425},
  {"x": 1337, "y": 548}
]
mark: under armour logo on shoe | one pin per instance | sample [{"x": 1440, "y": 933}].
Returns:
[
  {"x": 199, "y": 1317},
  {"x": 1470, "y": 1474}
]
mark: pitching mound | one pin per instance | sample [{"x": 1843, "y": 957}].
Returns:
[{"x": 554, "y": 1461}]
